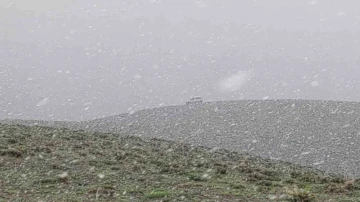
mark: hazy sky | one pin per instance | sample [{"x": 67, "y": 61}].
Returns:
[{"x": 82, "y": 59}]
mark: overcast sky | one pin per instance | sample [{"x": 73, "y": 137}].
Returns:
[{"x": 83, "y": 59}]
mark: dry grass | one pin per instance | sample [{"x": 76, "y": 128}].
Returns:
[{"x": 54, "y": 164}]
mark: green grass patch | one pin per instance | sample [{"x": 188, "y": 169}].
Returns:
[{"x": 155, "y": 194}]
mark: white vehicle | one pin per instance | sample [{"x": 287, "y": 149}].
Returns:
[{"x": 195, "y": 100}]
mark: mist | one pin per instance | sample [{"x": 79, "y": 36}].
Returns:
[{"x": 79, "y": 60}]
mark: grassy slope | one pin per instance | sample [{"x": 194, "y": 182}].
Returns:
[{"x": 49, "y": 164}]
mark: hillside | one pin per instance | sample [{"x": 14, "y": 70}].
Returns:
[
  {"x": 40, "y": 163},
  {"x": 322, "y": 134}
]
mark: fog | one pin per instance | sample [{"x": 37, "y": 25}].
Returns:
[{"x": 84, "y": 59}]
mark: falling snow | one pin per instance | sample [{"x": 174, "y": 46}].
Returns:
[
  {"x": 43, "y": 102},
  {"x": 315, "y": 83},
  {"x": 235, "y": 82},
  {"x": 85, "y": 61}
]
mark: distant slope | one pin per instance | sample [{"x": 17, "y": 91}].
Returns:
[
  {"x": 324, "y": 134},
  {"x": 60, "y": 124}
]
